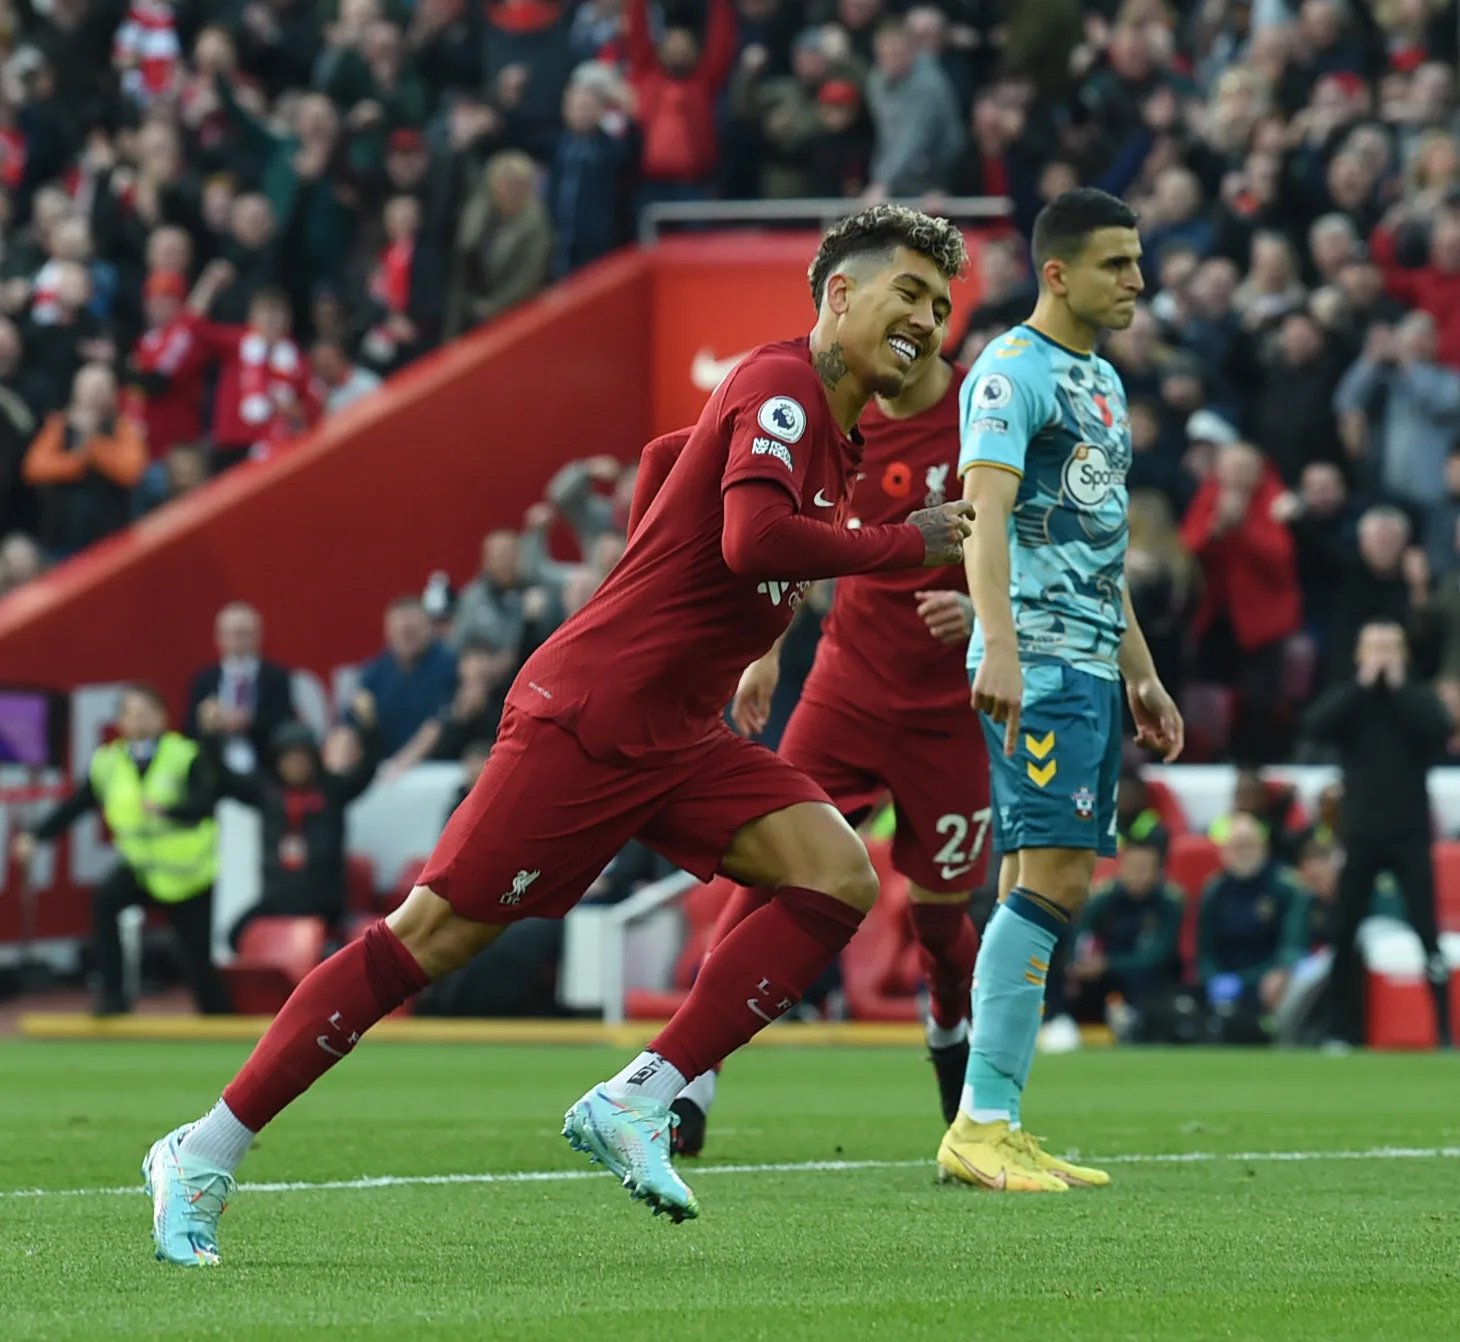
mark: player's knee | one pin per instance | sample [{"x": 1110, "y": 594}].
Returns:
[
  {"x": 1061, "y": 875},
  {"x": 852, "y": 879},
  {"x": 439, "y": 939}
]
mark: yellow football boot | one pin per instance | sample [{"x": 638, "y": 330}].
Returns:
[
  {"x": 1076, "y": 1176},
  {"x": 988, "y": 1155}
]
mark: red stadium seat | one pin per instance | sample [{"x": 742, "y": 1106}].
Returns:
[
  {"x": 1401, "y": 1011},
  {"x": 1447, "y": 884},
  {"x": 274, "y": 954},
  {"x": 1191, "y": 862},
  {"x": 359, "y": 883},
  {"x": 701, "y": 907},
  {"x": 1168, "y": 806}
]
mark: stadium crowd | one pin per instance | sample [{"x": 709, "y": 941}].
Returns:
[{"x": 222, "y": 222}]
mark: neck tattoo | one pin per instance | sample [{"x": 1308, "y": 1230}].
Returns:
[{"x": 831, "y": 366}]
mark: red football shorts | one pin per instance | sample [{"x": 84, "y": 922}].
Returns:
[
  {"x": 546, "y": 818},
  {"x": 939, "y": 783}
]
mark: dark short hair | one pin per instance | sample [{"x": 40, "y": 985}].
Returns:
[
  {"x": 1155, "y": 839},
  {"x": 408, "y": 601},
  {"x": 880, "y": 230},
  {"x": 1064, "y": 226}
]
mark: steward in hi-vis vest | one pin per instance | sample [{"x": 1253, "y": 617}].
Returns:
[{"x": 156, "y": 802}]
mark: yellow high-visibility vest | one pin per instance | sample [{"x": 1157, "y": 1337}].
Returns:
[{"x": 172, "y": 861}]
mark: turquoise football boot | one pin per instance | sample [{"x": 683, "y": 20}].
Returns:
[
  {"x": 188, "y": 1196},
  {"x": 632, "y": 1140}
]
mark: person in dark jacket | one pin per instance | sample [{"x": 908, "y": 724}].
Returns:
[
  {"x": 1388, "y": 731},
  {"x": 256, "y": 695},
  {"x": 1126, "y": 940},
  {"x": 302, "y": 804},
  {"x": 586, "y": 177},
  {"x": 1244, "y": 914}
]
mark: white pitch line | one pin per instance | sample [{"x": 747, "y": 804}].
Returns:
[{"x": 799, "y": 1167}]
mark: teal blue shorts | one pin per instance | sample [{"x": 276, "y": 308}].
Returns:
[{"x": 1058, "y": 788}]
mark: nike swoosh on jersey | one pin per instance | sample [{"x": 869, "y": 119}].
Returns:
[
  {"x": 953, "y": 873},
  {"x": 706, "y": 372},
  {"x": 821, "y": 501}
]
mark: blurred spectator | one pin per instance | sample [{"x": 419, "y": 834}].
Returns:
[
  {"x": 1410, "y": 438},
  {"x": 1433, "y": 287},
  {"x": 1388, "y": 731},
  {"x": 1250, "y": 602},
  {"x": 1324, "y": 524},
  {"x": 17, "y": 428},
  {"x": 83, "y": 464},
  {"x": 918, "y": 131},
  {"x": 186, "y": 469},
  {"x": 1126, "y": 938},
  {"x": 1006, "y": 295},
  {"x": 152, "y": 791},
  {"x": 413, "y": 679},
  {"x": 1272, "y": 288},
  {"x": 402, "y": 302},
  {"x": 337, "y": 381},
  {"x": 472, "y": 715},
  {"x": 676, "y": 85},
  {"x": 585, "y": 179},
  {"x": 301, "y": 802},
  {"x": 496, "y": 607},
  {"x": 1244, "y": 910},
  {"x": 809, "y": 119},
  {"x": 20, "y": 561},
  {"x": 264, "y": 395},
  {"x": 1273, "y": 805},
  {"x": 503, "y": 245},
  {"x": 1295, "y": 373},
  {"x": 1380, "y": 581},
  {"x": 255, "y": 697},
  {"x": 575, "y": 496},
  {"x": 1164, "y": 583}
]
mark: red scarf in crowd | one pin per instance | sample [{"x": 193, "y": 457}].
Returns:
[{"x": 147, "y": 52}]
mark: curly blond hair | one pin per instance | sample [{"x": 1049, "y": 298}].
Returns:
[{"x": 882, "y": 228}]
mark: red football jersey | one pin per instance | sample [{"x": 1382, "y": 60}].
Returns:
[
  {"x": 646, "y": 668},
  {"x": 875, "y": 652}
]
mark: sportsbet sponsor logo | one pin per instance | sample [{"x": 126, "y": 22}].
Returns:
[
  {"x": 768, "y": 447},
  {"x": 1089, "y": 477}
]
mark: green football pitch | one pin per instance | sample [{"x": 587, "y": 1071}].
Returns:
[{"x": 423, "y": 1192}]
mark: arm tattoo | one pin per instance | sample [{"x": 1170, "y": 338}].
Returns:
[{"x": 831, "y": 365}]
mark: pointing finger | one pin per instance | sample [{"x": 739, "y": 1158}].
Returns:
[
  {"x": 960, "y": 508},
  {"x": 1011, "y": 732}
]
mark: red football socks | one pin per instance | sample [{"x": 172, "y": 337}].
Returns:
[
  {"x": 322, "y": 1021},
  {"x": 758, "y": 973},
  {"x": 947, "y": 948},
  {"x": 743, "y": 900}
]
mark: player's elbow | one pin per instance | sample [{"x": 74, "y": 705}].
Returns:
[{"x": 744, "y": 555}]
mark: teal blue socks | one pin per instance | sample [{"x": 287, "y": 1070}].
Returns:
[{"x": 1008, "y": 999}]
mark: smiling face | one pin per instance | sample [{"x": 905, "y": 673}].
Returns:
[{"x": 892, "y": 316}]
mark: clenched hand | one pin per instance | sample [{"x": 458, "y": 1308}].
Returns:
[{"x": 944, "y": 529}]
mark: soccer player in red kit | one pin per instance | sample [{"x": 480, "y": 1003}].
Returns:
[
  {"x": 886, "y": 708},
  {"x": 613, "y": 730}
]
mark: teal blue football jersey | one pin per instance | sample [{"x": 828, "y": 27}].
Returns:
[{"x": 1058, "y": 420}]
